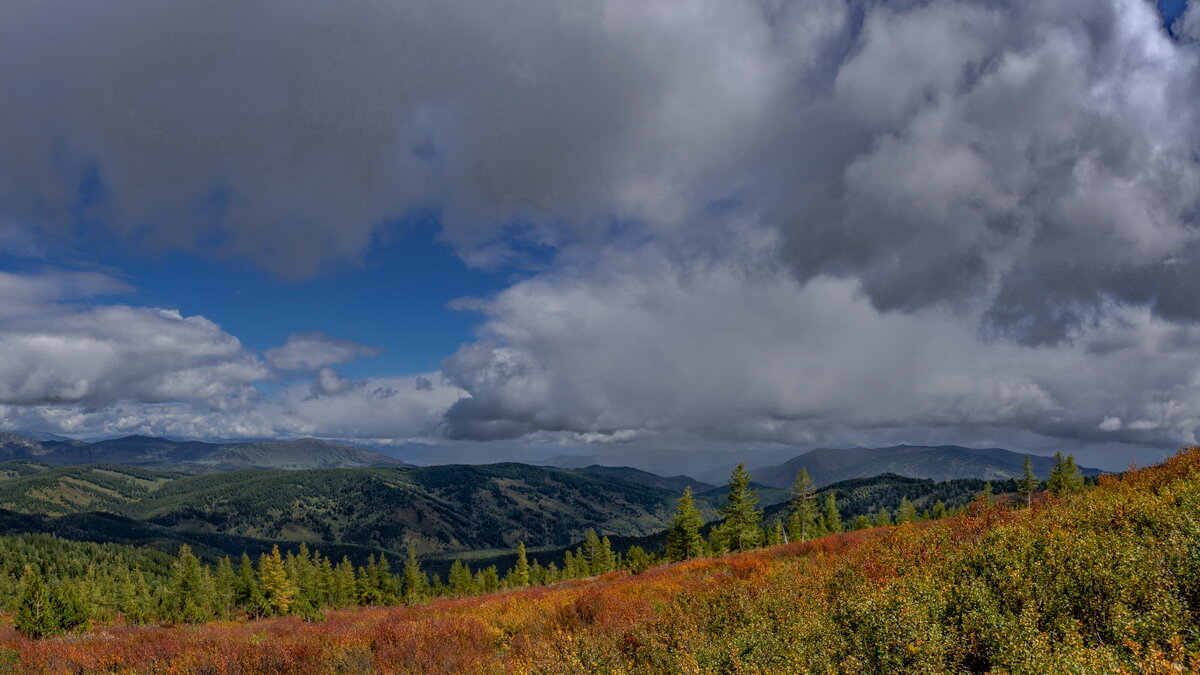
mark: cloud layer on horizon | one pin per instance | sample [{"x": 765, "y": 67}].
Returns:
[{"x": 771, "y": 222}]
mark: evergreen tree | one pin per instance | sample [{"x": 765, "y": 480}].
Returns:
[
  {"x": 683, "y": 537},
  {"x": 225, "y": 582},
  {"x": 413, "y": 582},
  {"x": 277, "y": 589},
  {"x": 740, "y": 529},
  {"x": 36, "y": 617},
  {"x": 831, "y": 518},
  {"x": 802, "y": 507},
  {"x": 461, "y": 580},
  {"x": 906, "y": 513},
  {"x": 1028, "y": 483},
  {"x": 1064, "y": 477},
  {"x": 521, "y": 571},
  {"x": 939, "y": 510},
  {"x": 637, "y": 559},
  {"x": 862, "y": 522},
  {"x": 188, "y": 595},
  {"x": 883, "y": 518}
]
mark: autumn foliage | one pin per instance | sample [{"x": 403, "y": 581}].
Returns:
[{"x": 1103, "y": 581}]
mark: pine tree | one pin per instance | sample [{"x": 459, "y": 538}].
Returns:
[
  {"x": 683, "y": 537},
  {"x": 862, "y": 522},
  {"x": 939, "y": 510},
  {"x": 906, "y": 513},
  {"x": 802, "y": 507},
  {"x": 740, "y": 528},
  {"x": 1028, "y": 483},
  {"x": 277, "y": 589}
]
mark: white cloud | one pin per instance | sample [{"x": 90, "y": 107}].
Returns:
[
  {"x": 315, "y": 350},
  {"x": 741, "y": 351}
]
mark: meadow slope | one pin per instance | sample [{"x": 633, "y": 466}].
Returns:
[{"x": 1107, "y": 581}]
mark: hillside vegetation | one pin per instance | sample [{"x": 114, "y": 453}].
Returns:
[
  {"x": 1103, "y": 581},
  {"x": 433, "y": 509}
]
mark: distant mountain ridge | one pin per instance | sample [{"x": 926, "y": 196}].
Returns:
[
  {"x": 628, "y": 473},
  {"x": 938, "y": 462},
  {"x": 163, "y": 454}
]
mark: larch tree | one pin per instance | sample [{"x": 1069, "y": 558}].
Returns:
[{"x": 277, "y": 589}]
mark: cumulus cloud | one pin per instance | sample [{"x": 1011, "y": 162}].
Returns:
[
  {"x": 53, "y": 350},
  {"x": 315, "y": 350},
  {"x": 394, "y": 408},
  {"x": 739, "y": 350}
]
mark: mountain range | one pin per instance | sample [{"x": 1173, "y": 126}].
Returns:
[
  {"x": 192, "y": 456},
  {"x": 939, "y": 463}
]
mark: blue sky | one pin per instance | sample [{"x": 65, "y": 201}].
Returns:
[{"x": 953, "y": 222}]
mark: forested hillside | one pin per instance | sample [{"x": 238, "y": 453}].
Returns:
[{"x": 440, "y": 508}]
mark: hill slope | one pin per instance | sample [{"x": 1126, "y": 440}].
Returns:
[
  {"x": 441, "y": 508},
  {"x": 940, "y": 463}
]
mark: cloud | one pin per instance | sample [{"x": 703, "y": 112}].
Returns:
[
  {"x": 315, "y": 350},
  {"x": 53, "y": 350},
  {"x": 394, "y": 408},
  {"x": 647, "y": 345}
]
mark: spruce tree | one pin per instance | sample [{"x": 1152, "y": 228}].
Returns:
[
  {"x": 906, "y": 513},
  {"x": 862, "y": 522},
  {"x": 683, "y": 537},
  {"x": 740, "y": 528}
]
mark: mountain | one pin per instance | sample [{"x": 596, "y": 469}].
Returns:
[
  {"x": 193, "y": 456},
  {"x": 432, "y": 509},
  {"x": 941, "y": 462},
  {"x": 628, "y": 473}
]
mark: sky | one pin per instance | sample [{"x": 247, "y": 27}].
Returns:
[{"x": 523, "y": 229}]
